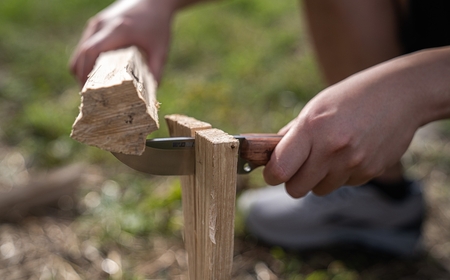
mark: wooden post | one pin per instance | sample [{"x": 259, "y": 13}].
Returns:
[
  {"x": 208, "y": 199},
  {"x": 118, "y": 104}
]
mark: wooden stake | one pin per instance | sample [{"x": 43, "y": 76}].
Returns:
[
  {"x": 182, "y": 126},
  {"x": 208, "y": 199},
  {"x": 118, "y": 104}
]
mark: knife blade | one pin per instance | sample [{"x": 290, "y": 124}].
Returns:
[{"x": 176, "y": 155}]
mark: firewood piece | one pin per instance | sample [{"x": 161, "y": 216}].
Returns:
[
  {"x": 208, "y": 199},
  {"x": 40, "y": 191},
  {"x": 118, "y": 104}
]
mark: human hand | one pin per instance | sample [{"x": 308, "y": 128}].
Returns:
[
  {"x": 144, "y": 23},
  {"x": 348, "y": 134}
]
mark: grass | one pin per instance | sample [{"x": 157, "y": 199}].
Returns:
[
  {"x": 241, "y": 65},
  {"x": 250, "y": 53}
]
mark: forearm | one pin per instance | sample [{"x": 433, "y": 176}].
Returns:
[
  {"x": 348, "y": 36},
  {"x": 424, "y": 77}
]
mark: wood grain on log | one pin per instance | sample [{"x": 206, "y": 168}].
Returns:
[{"x": 118, "y": 104}]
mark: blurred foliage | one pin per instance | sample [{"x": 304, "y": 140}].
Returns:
[
  {"x": 250, "y": 54},
  {"x": 38, "y": 96},
  {"x": 248, "y": 69}
]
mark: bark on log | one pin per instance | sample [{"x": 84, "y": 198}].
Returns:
[{"x": 118, "y": 104}]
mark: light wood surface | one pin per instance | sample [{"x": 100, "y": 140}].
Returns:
[
  {"x": 118, "y": 104},
  {"x": 208, "y": 199}
]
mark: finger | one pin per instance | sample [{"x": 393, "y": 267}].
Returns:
[
  {"x": 286, "y": 128},
  {"x": 342, "y": 174},
  {"x": 364, "y": 171},
  {"x": 307, "y": 177},
  {"x": 288, "y": 156},
  {"x": 156, "y": 63},
  {"x": 110, "y": 38},
  {"x": 330, "y": 183},
  {"x": 91, "y": 28},
  {"x": 360, "y": 178}
]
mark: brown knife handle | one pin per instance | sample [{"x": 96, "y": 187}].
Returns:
[{"x": 257, "y": 148}]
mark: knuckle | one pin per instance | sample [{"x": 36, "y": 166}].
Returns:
[
  {"x": 333, "y": 140},
  {"x": 339, "y": 142},
  {"x": 356, "y": 160},
  {"x": 120, "y": 23},
  {"x": 94, "y": 22},
  {"x": 123, "y": 29}
]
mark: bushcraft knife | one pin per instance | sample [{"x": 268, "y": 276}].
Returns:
[{"x": 176, "y": 155}]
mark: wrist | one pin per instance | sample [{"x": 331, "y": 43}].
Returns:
[
  {"x": 430, "y": 70},
  {"x": 417, "y": 84}
]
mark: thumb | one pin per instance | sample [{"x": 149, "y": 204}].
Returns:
[
  {"x": 287, "y": 158},
  {"x": 109, "y": 38}
]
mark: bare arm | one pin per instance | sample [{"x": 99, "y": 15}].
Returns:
[
  {"x": 355, "y": 129},
  {"x": 144, "y": 23},
  {"x": 349, "y": 35}
]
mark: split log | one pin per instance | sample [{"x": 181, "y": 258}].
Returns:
[
  {"x": 208, "y": 199},
  {"x": 118, "y": 104}
]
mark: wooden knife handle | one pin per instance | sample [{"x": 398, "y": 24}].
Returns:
[{"x": 257, "y": 148}]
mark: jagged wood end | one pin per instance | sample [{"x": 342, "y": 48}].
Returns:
[
  {"x": 181, "y": 125},
  {"x": 118, "y": 104}
]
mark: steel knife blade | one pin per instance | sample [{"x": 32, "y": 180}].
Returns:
[{"x": 176, "y": 155}]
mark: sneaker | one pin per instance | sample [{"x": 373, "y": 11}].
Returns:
[{"x": 350, "y": 215}]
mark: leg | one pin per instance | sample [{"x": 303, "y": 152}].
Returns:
[{"x": 352, "y": 35}]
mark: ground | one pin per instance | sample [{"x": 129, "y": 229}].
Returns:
[{"x": 62, "y": 242}]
